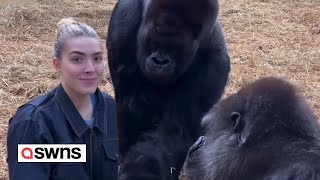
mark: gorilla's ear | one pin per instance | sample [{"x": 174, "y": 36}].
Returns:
[
  {"x": 238, "y": 126},
  {"x": 235, "y": 118}
]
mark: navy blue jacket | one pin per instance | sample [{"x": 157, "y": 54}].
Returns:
[{"x": 53, "y": 119}]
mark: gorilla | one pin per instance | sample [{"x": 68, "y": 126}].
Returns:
[
  {"x": 265, "y": 131},
  {"x": 169, "y": 64}
]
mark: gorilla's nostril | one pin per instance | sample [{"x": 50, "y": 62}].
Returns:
[
  {"x": 160, "y": 61},
  {"x": 155, "y": 60},
  {"x": 197, "y": 145},
  {"x": 200, "y": 141},
  {"x": 165, "y": 61}
]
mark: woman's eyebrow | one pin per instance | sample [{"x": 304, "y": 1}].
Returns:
[
  {"x": 77, "y": 52},
  {"x": 81, "y": 53},
  {"x": 97, "y": 53}
]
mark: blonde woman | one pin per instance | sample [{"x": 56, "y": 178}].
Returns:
[{"x": 75, "y": 112}]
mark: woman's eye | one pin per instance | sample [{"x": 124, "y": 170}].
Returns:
[
  {"x": 77, "y": 59},
  {"x": 98, "y": 58}
]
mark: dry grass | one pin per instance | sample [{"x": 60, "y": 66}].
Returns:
[{"x": 280, "y": 38}]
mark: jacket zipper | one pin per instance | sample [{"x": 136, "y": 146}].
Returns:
[{"x": 91, "y": 144}]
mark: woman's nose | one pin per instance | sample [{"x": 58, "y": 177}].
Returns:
[{"x": 89, "y": 67}]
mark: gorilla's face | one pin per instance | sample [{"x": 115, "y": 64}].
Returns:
[
  {"x": 165, "y": 51},
  {"x": 243, "y": 128},
  {"x": 227, "y": 127},
  {"x": 213, "y": 151},
  {"x": 168, "y": 40}
]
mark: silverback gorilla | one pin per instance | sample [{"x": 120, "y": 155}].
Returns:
[
  {"x": 266, "y": 131},
  {"x": 169, "y": 64}
]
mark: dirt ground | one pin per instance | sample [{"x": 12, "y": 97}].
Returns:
[{"x": 265, "y": 38}]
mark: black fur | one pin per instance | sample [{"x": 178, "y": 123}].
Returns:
[
  {"x": 266, "y": 131},
  {"x": 169, "y": 64}
]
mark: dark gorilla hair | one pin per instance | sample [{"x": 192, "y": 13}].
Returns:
[
  {"x": 169, "y": 64},
  {"x": 266, "y": 131}
]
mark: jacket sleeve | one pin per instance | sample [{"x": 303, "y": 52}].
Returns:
[{"x": 22, "y": 130}]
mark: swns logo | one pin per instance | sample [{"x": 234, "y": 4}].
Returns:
[{"x": 51, "y": 153}]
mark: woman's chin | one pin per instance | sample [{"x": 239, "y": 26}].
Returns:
[{"x": 88, "y": 90}]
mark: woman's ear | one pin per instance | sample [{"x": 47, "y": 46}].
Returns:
[{"x": 56, "y": 63}]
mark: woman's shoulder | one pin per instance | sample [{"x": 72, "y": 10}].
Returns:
[
  {"x": 26, "y": 111},
  {"x": 107, "y": 96}
]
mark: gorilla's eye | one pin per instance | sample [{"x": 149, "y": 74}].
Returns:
[{"x": 236, "y": 121}]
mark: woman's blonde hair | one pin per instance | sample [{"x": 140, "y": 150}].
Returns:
[{"x": 69, "y": 28}]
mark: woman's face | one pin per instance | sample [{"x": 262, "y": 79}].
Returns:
[{"x": 81, "y": 65}]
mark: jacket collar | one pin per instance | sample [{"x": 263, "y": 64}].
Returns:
[{"x": 74, "y": 118}]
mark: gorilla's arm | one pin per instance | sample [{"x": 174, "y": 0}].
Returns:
[
  {"x": 121, "y": 40},
  {"x": 214, "y": 52},
  {"x": 154, "y": 158}
]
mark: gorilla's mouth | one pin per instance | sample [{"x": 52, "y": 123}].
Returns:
[
  {"x": 197, "y": 145},
  {"x": 159, "y": 71},
  {"x": 160, "y": 67}
]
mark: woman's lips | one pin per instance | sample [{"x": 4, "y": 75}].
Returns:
[{"x": 87, "y": 79}]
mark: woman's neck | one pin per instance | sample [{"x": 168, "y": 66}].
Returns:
[{"x": 81, "y": 102}]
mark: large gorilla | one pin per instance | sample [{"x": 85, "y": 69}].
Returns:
[
  {"x": 169, "y": 64},
  {"x": 266, "y": 131}
]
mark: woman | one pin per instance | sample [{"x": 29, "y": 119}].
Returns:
[{"x": 75, "y": 112}]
